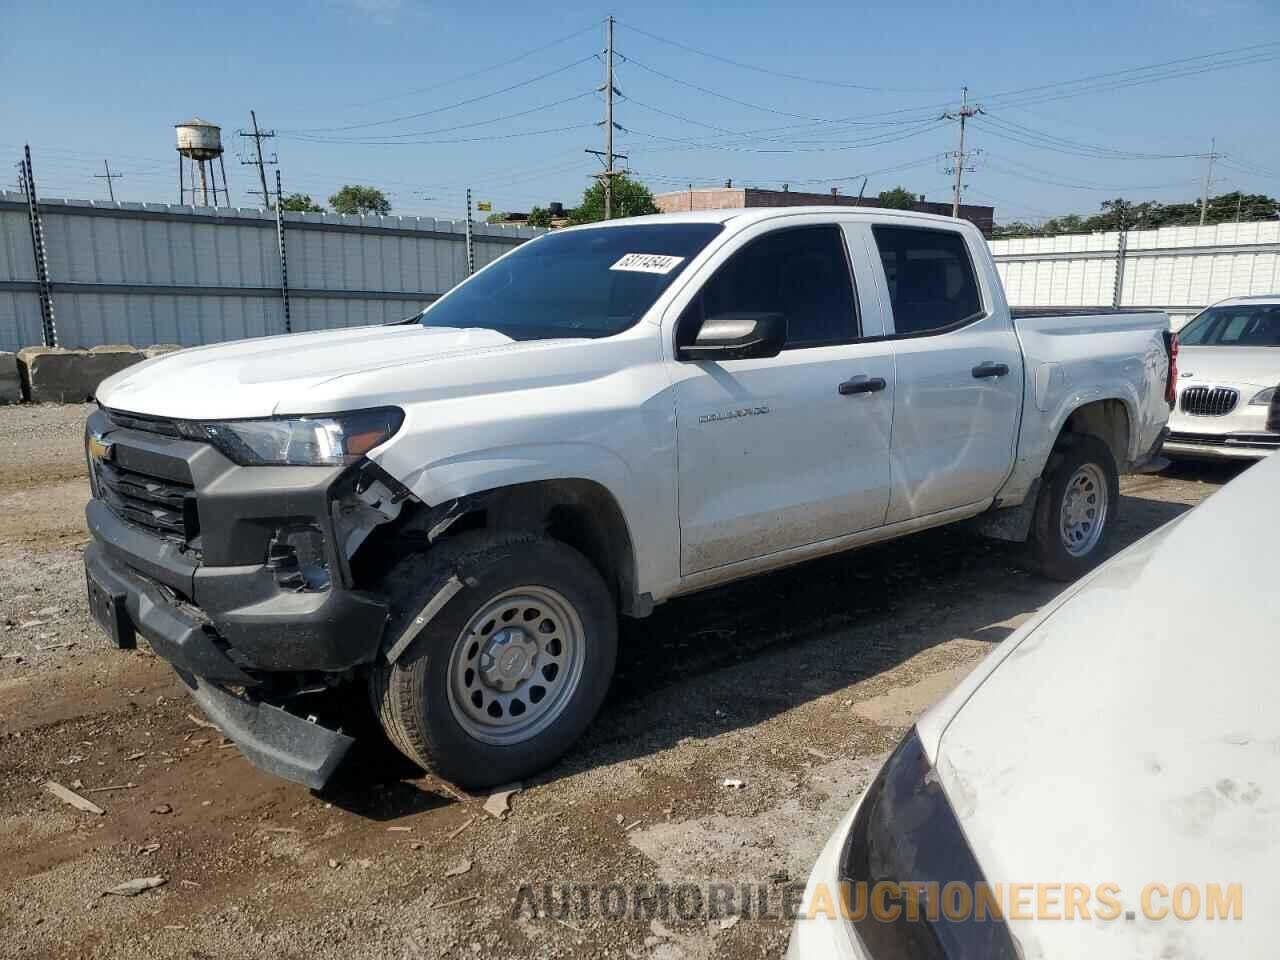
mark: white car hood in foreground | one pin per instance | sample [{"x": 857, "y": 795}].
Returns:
[
  {"x": 1256, "y": 365},
  {"x": 1134, "y": 737},
  {"x": 269, "y": 375}
]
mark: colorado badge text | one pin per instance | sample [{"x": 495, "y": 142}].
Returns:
[{"x": 733, "y": 414}]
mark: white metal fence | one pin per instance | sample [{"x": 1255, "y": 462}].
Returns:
[
  {"x": 1179, "y": 269},
  {"x": 158, "y": 273}
]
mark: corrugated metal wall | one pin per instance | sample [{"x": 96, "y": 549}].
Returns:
[
  {"x": 156, "y": 273},
  {"x": 1181, "y": 269}
]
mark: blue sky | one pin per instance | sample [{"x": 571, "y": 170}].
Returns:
[{"x": 83, "y": 82}]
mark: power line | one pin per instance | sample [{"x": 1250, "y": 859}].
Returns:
[
  {"x": 1053, "y": 179},
  {"x": 1108, "y": 87},
  {"x": 1008, "y": 130},
  {"x": 1115, "y": 74},
  {"x": 775, "y": 73},
  {"x": 831, "y": 146},
  {"x": 740, "y": 102},
  {"x": 475, "y": 73},
  {"x": 304, "y": 138},
  {"x": 451, "y": 106},
  {"x": 486, "y": 139}
]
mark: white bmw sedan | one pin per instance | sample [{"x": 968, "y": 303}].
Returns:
[
  {"x": 1229, "y": 366},
  {"x": 1106, "y": 784}
]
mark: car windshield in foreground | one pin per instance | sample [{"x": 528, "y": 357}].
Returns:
[
  {"x": 580, "y": 283},
  {"x": 1240, "y": 325}
]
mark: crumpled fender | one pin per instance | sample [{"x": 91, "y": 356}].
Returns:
[{"x": 481, "y": 470}]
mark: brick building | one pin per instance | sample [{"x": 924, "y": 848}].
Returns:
[{"x": 732, "y": 198}]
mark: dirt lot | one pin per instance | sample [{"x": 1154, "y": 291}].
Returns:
[{"x": 795, "y": 684}]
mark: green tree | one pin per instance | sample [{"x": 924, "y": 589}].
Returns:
[
  {"x": 540, "y": 217},
  {"x": 630, "y": 199},
  {"x": 899, "y": 198},
  {"x": 1121, "y": 214},
  {"x": 301, "y": 203},
  {"x": 498, "y": 216},
  {"x": 355, "y": 198},
  {"x": 1015, "y": 228}
]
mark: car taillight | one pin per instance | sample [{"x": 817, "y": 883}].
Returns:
[{"x": 1171, "y": 385}]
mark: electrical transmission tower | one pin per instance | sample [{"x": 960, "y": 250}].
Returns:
[
  {"x": 108, "y": 176},
  {"x": 958, "y": 157},
  {"x": 257, "y": 136},
  {"x": 1208, "y": 177},
  {"x": 607, "y": 156}
]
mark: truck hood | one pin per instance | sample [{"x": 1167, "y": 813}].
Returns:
[
  {"x": 1132, "y": 736},
  {"x": 1212, "y": 365},
  {"x": 285, "y": 374}
]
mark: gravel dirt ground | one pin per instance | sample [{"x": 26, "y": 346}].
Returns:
[{"x": 795, "y": 684}]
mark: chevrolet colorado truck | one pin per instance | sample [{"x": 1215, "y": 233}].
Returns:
[{"x": 448, "y": 514}]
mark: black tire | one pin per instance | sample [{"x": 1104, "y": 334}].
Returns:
[
  {"x": 1047, "y": 550},
  {"x": 411, "y": 696}
]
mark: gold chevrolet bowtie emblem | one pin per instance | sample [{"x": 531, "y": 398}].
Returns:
[{"x": 100, "y": 447}]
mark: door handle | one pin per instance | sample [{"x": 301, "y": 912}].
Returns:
[
  {"x": 862, "y": 384},
  {"x": 989, "y": 369}
]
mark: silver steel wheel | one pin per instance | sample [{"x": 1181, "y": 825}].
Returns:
[
  {"x": 1084, "y": 510},
  {"x": 515, "y": 665}
]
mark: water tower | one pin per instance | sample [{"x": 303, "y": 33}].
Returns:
[{"x": 200, "y": 143}]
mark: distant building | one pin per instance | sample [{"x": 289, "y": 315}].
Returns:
[{"x": 732, "y": 198}]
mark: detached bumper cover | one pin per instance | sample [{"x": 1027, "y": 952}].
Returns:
[
  {"x": 269, "y": 736},
  {"x": 272, "y": 738}
]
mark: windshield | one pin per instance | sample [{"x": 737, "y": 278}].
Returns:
[
  {"x": 1241, "y": 325},
  {"x": 580, "y": 283}
]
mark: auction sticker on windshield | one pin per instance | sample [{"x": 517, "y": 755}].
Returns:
[{"x": 647, "y": 263}]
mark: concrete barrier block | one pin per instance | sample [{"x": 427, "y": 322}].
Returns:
[
  {"x": 10, "y": 382},
  {"x": 58, "y": 375},
  {"x": 160, "y": 349}
]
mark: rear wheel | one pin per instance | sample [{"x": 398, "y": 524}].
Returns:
[
  {"x": 510, "y": 671},
  {"x": 1076, "y": 509}
]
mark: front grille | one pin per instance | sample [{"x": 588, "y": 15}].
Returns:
[
  {"x": 134, "y": 421},
  {"x": 1209, "y": 401},
  {"x": 166, "y": 507}
]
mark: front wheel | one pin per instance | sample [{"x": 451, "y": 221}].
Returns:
[
  {"x": 509, "y": 673},
  {"x": 1076, "y": 509}
]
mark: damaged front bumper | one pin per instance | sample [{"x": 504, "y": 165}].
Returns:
[{"x": 206, "y": 582}]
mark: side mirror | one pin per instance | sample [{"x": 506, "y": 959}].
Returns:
[{"x": 737, "y": 336}]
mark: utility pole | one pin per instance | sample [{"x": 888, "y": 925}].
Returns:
[
  {"x": 48, "y": 322},
  {"x": 607, "y": 155},
  {"x": 284, "y": 260},
  {"x": 1208, "y": 177},
  {"x": 108, "y": 176},
  {"x": 257, "y": 136},
  {"x": 959, "y": 156},
  {"x": 471, "y": 247}
]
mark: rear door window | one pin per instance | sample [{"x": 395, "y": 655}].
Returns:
[{"x": 932, "y": 284}]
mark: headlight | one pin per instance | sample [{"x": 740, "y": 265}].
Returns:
[
  {"x": 907, "y": 841},
  {"x": 1263, "y": 398},
  {"x": 302, "y": 441}
]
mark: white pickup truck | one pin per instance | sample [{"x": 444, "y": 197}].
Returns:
[{"x": 451, "y": 512}]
